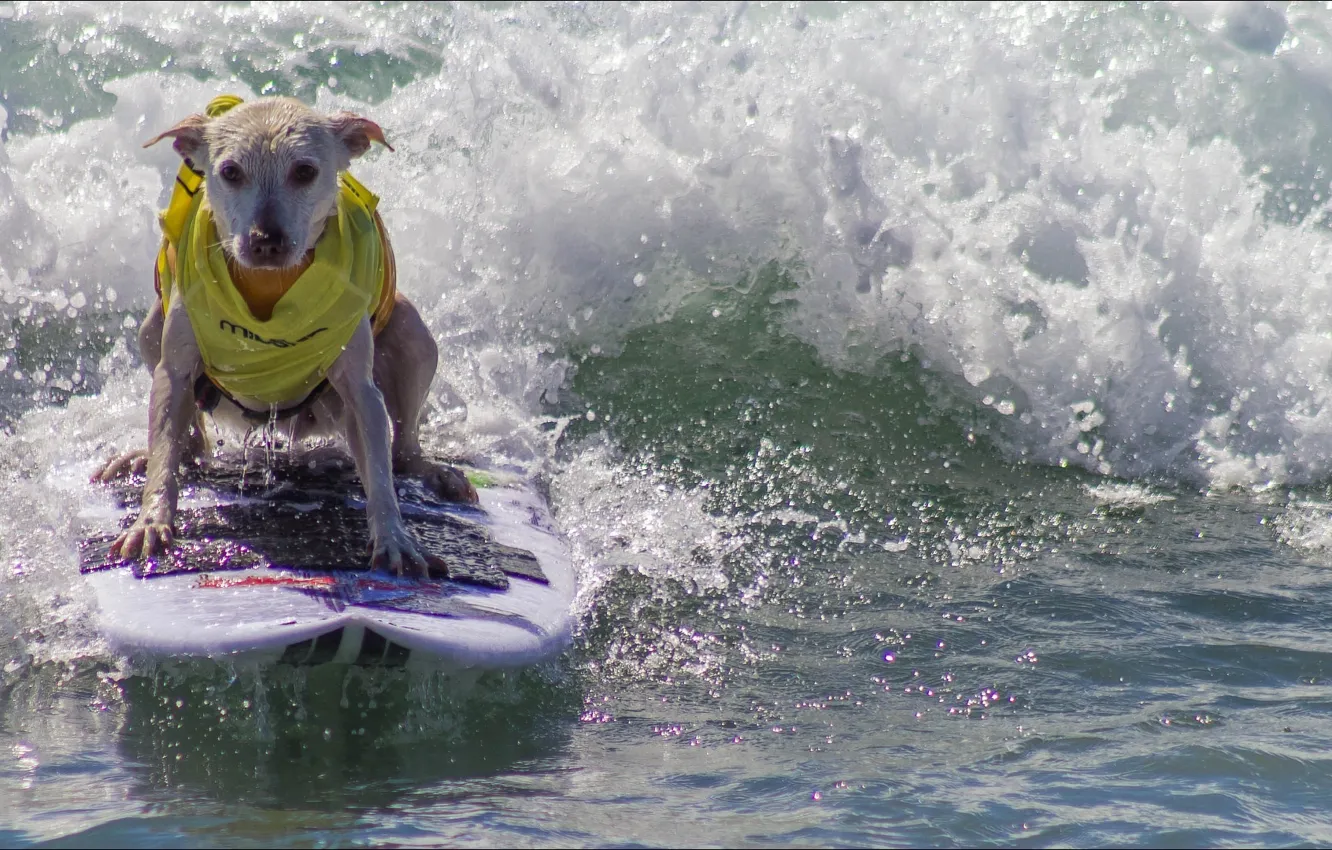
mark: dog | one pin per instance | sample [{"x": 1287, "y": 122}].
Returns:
[{"x": 278, "y": 235}]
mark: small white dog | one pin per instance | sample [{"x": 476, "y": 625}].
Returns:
[{"x": 276, "y": 282}]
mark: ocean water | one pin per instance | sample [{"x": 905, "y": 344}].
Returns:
[{"x": 937, "y": 400}]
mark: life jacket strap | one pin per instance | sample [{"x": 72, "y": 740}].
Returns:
[{"x": 208, "y": 395}]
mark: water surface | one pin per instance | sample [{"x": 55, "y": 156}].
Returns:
[{"x": 935, "y": 399}]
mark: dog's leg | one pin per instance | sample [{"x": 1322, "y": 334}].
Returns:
[
  {"x": 135, "y": 462},
  {"x": 406, "y": 358},
  {"x": 367, "y": 423},
  {"x": 170, "y": 408}
]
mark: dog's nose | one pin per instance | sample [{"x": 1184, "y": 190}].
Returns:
[{"x": 267, "y": 242}]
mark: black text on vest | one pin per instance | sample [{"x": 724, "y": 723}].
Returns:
[{"x": 246, "y": 333}]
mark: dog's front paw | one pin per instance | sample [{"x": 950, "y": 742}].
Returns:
[
  {"x": 120, "y": 466},
  {"x": 396, "y": 552},
  {"x": 144, "y": 538}
]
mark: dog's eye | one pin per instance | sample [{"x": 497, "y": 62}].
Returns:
[
  {"x": 304, "y": 173},
  {"x": 230, "y": 172}
]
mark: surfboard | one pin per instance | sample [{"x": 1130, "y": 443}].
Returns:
[{"x": 270, "y": 565}]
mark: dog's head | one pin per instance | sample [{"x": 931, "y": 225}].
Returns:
[{"x": 271, "y": 173}]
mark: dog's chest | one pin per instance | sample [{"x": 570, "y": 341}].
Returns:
[{"x": 263, "y": 288}]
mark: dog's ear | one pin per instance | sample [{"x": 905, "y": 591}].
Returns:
[
  {"x": 187, "y": 136},
  {"x": 356, "y": 133}
]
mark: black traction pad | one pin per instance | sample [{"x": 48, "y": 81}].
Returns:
[{"x": 298, "y": 518}]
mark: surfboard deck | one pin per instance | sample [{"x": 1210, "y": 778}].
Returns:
[{"x": 270, "y": 564}]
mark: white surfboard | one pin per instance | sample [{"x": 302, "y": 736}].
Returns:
[{"x": 272, "y": 569}]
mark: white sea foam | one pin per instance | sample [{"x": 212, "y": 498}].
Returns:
[
  {"x": 1119, "y": 495},
  {"x": 1060, "y": 206},
  {"x": 1306, "y": 525}
]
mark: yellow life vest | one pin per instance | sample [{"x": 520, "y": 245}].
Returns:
[{"x": 277, "y": 360}]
